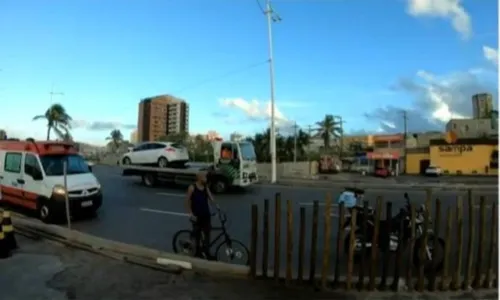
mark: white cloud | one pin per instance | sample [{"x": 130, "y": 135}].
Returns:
[
  {"x": 491, "y": 55},
  {"x": 449, "y": 9},
  {"x": 255, "y": 109},
  {"x": 101, "y": 125},
  {"x": 436, "y": 100}
]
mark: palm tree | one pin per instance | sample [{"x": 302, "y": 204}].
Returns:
[
  {"x": 356, "y": 148},
  {"x": 67, "y": 137},
  {"x": 57, "y": 120},
  {"x": 261, "y": 142},
  {"x": 116, "y": 138},
  {"x": 329, "y": 129}
]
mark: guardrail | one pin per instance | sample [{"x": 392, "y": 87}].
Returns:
[{"x": 466, "y": 262}]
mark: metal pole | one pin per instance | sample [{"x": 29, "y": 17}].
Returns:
[
  {"x": 66, "y": 198},
  {"x": 405, "y": 137},
  {"x": 309, "y": 133},
  {"x": 341, "y": 152},
  {"x": 269, "y": 13},
  {"x": 52, "y": 94},
  {"x": 295, "y": 143}
]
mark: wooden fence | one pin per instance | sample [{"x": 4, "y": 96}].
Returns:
[{"x": 378, "y": 269}]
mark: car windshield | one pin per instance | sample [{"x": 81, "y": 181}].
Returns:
[
  {"x": 53, "y": 165},
  {"x": 247, "y": 151}
]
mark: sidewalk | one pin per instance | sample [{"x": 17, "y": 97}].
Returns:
[{"x": 42, "y": 270}]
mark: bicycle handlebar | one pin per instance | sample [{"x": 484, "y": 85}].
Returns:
[{"x": 221, "y": 214}]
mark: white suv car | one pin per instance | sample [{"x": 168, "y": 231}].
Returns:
[
  {"x": 433, "y": 171},
  {"x": 162, "y": 154}
]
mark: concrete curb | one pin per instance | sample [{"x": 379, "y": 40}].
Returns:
[
  {"x": 126, "y": 252},
  {"x": 381, "y": 185}
]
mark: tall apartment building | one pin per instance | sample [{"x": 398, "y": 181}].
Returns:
[
  {"x": 160, "y": 116},
  {"x": 482, "y": 106}
]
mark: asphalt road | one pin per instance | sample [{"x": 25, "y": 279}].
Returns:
[{"x": 135, "y": 214}]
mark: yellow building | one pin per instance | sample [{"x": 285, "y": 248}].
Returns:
[{"x": 477, "y": 156}]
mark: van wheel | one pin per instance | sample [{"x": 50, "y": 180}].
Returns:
[{"x": 45, "y": 212}]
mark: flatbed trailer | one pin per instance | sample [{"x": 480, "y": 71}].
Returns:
[
  {"x": 218, "y": 180},
  {"x": 234, "y": 164}
]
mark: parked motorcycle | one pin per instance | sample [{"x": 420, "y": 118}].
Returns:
[{"x": 389, "y": 241}]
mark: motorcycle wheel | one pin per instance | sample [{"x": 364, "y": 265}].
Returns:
[{"x": 437, "y": 260}]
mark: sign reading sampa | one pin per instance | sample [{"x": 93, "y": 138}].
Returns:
[{"x": 456, "y": 148}]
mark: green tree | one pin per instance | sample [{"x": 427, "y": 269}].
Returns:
[
  {"x": 494, "y": 119},
  {"x": 179, "y": 137},
  {"x": 116, "y": 138},
  {"x": 3, "y": 134},
  {"x": 57, "y": 119},
  {"x": 329, "y": 130},
  {"x": 67, "y": 137},
  {"x": 262, "y": 142},
  {"x": 356, "y": 147},
  {"x": 201, "y": 148}
]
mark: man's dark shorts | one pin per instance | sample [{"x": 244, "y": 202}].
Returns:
[{"x": 203, "y": 222}]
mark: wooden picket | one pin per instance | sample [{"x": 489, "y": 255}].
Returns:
[{"x": 375, "y": 267}]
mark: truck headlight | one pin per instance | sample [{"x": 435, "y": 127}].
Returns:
[{"x": 58, "y": 190}]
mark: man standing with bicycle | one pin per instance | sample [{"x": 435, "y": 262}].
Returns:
[{"x": 198, "y": 200}]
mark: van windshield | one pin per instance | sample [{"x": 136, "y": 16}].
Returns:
[{"x": 53, "y": 165}]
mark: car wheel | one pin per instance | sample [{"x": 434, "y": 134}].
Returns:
[
  {"x": 126, "y": 161},
  {"x": 162, "y": 162}
]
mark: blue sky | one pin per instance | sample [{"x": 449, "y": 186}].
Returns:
[{"x": 363, "y": 60}]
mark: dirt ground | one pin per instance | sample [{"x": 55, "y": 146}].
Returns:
[{"x": 43, "y": 270}]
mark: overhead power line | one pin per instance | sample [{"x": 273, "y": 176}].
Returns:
[
  {"x": 218, "y": 77},
  {"x": 261, "y": 7}
]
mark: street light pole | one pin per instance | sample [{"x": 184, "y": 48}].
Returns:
[
  {"x": 52, "y": 94},
  {"x": 271, "y": 17},
  {"x": 295, "y": 142}
]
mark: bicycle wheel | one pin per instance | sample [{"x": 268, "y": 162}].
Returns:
[
  {"x": 233, "y": 251},
  {"x": 183, "y": 243}
]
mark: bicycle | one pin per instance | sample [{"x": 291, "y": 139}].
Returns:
[{"x": 184, "y": 241}]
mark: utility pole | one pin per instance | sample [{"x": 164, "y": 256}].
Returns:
[
  {"x": 309, "y": 134},
  {"x": 405, "y": 135},
  {"x": 341, "y": 123},
  {"x": 272, "y": 17},
  {"x": 295, "y": 142}
]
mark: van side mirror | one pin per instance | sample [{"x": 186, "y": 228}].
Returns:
[{"x": 90, "y": 168}]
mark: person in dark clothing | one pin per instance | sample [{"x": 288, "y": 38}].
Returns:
[{"x": 198, "y": 200}]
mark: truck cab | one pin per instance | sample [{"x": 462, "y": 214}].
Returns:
[{"x": 236, "y": 161}]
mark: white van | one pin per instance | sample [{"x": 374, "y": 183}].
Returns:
[{"x": 31, "y": 176}]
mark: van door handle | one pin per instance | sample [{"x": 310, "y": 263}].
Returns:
[{"x": 20, "y": 181}]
